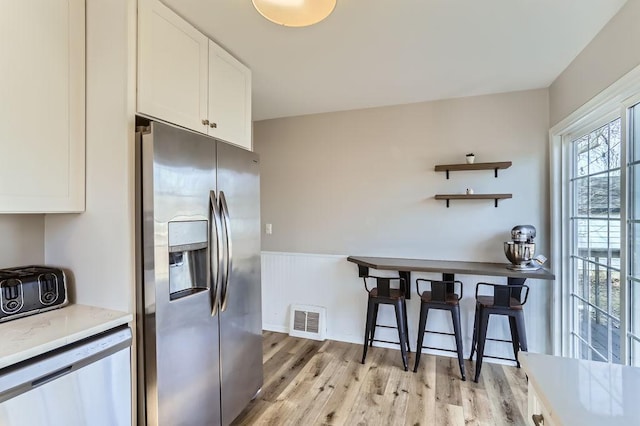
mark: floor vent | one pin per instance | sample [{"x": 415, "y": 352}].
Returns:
[{"x": 308, "y": 321}]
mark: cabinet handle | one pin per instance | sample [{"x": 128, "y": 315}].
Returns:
[
  {"x": 538, "y": 420},
  {"x": 213, "y": 125},
  {"x": 205, "y": 121}
]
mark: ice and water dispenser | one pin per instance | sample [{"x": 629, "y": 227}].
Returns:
[{"x": 188, "y": 243}]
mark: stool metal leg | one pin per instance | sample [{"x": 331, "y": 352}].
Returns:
[
  {"x": 374, "y": 324},
  {"x": 522, "y": 332},
  {"x": 474, "y": 340},
  {"x": 482, "y": 337},
  {"x": 455, "y": 317},
  {"x": 401, "y": 332},
  {"x": 515, "y": 338},
  {"x": 367, "y": 329},
  {"x": 424, "y": 311},
  {"x": 406, "y": 323}
]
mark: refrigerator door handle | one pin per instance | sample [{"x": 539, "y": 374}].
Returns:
[
  {"x": 227, "y": 225},
  {"x": 214, "y": 220}
]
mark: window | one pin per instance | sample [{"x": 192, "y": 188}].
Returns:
[
  {"x": 594, "y": 248},
  {"x": 595, "y": 212}
]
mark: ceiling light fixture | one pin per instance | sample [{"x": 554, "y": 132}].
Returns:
[{"x": 295, "y": 13}]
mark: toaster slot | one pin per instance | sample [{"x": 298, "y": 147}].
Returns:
[
  {"x": 11, "y": 295},
  {"x": 48, "y": 288}
]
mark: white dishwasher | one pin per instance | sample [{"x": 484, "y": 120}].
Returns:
[{"x": 85, "y": 383}]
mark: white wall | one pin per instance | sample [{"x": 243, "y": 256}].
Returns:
[
  {"x": 611, "y": 54},
  {"x": 332, "y": 282},
  {"x": 22, "y": 239},
  {"x": 362, "y": 183},
  {"x": 98, "y": 245}
]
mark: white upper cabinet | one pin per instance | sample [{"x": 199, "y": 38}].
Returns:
[
  {"x": 172, "y": 67},
  {"x": 229, "y": 98},
  {"x": 186, "y": 79},
  {"x": 42, "y": 107}
]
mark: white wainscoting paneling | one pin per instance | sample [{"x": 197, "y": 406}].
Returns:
[{"x": 332, "y": 282}]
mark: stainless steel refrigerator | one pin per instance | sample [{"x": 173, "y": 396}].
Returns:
[{"x": 199, "y": 298}]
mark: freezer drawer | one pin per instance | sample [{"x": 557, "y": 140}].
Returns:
[{"x": 88, "y": 383}]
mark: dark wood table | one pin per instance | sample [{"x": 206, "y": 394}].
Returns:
[{"x": 448, "y": 268}]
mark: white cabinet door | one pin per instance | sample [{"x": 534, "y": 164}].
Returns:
[
  {"x": 42, "y": 107},
  {"x": 229, "y": 98},
  {"x": 537, "y": 413},
  {"x": 172, "y": 67}
]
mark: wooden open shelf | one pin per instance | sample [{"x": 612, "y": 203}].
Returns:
[
  {"x": 494, "y": 197},
  {"x": 475, "y": 166}
]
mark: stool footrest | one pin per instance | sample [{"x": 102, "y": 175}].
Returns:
[
  {"x": 440, "y": 349},
  {"x": 385, "y": 326},
  {"x": 499, "y": 357},
  {"x": 499, "y": 340},
  {"x": 386, "y": 341},
  {"x": 439, "y": 332}
]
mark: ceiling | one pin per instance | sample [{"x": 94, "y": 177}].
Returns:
[{"x": 370, "y": 53}]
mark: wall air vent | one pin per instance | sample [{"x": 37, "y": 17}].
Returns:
[{"x": 308, "y": 321}]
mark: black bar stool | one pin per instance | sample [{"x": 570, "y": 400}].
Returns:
[
  {"x": 441, "y": 295},
  {"x": 506, "y": 300},
  {"x": 384, "y": 294}
]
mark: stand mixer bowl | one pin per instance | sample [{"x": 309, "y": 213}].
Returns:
[{"x": 519, "y": 254}]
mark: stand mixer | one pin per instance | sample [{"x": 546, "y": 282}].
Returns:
[{"x": 521, "y": 250}]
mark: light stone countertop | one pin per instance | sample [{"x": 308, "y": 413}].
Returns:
[
  {"x": 579, "y": 392},
  {"x": 30, "y": 336}
]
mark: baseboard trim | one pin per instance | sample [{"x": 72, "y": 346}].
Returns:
[{"x": 276, "y": 328}]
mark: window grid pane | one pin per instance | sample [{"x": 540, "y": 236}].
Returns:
[{"x": 595, "y": 251}]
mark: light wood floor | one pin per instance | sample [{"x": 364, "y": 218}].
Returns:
[{"x": 316, "y": 383}]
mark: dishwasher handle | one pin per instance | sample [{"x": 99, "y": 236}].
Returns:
[
  {"x": 49, "y": 366},
  {"x": 52, "y": 376}
]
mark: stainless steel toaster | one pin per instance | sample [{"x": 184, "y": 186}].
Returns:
[{"x": 29, "y": 290}]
